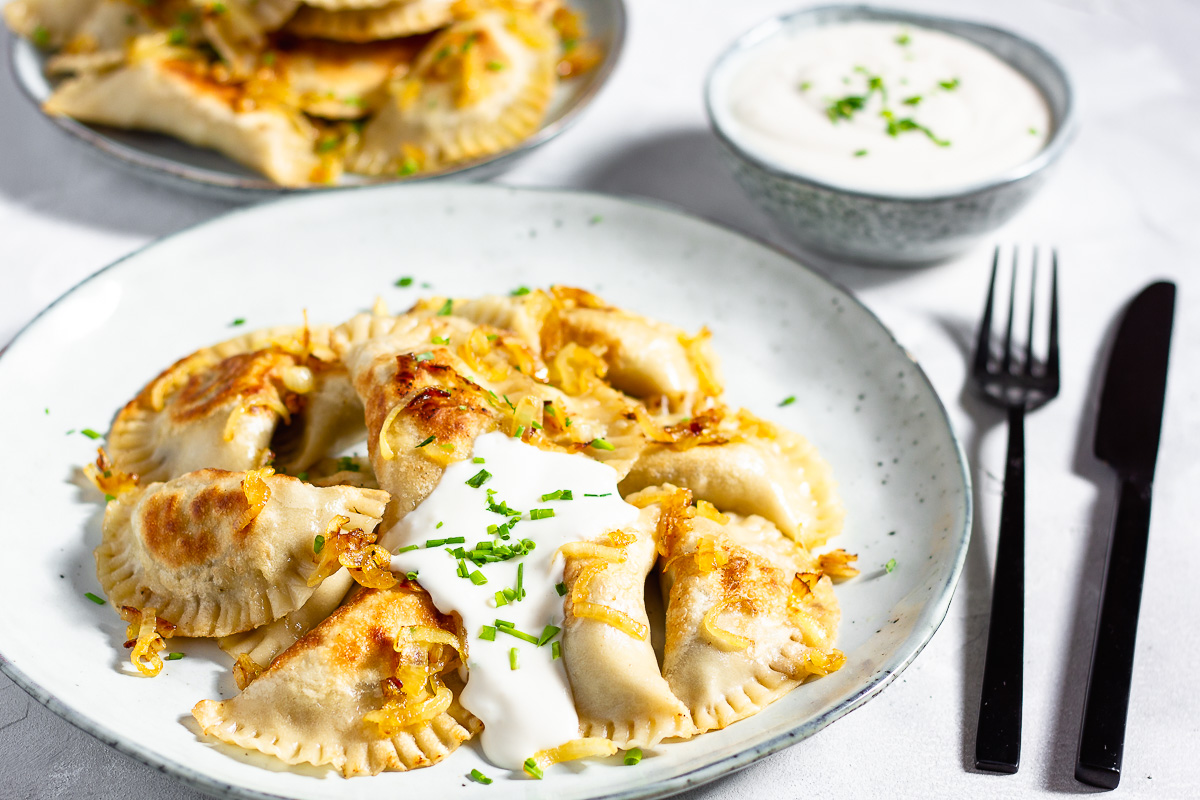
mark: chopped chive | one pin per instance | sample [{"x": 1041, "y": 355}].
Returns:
[
  {"x": 41, "y": 36},
  {"x": 568, "y": 422},
  {"x": 602, "y": 444},
  {"x": 555, "y": 650},
  {"x": 949, "y": 85},
  {"x": 237, "y": 322},
  {"x": 561, "y": 588},
  {"x": 541, "y": 513},
  {"x": 424, "y": 356},
  {"x": 408, "y": 549},
  {"x": 455, "y": 539},
  {"x": 520, "y": 432},
  {"x": 91, "y": 434},
  {"x": 787, "y": 401},
  {"x": 606, "y": 494},
  {"x": 409, "y": 167},
  {"x": 446, "y": 309},
  {"x": 912, "y": 101},
  {"x": 503, "y": 623},
  {"x": 479, "y": 777},
  {"x": 318, "y": 543},
  {"x": 519, "y": 291},
  {"x": 174, "y": 656},
  {"x": 439, "y": 340},
  {"x": 805, "y": 86},
  {"x": 495, "y": 66},
  {"x": 404, "y": 282},
  {"x": 108, "y": 498},
  {"x": 479, "y": 479},
  {"x": 462, "y": 569},
  {"x": 509, "y": 403},
  {"x": 478, "y": 460},
  {"x": 510, "y": 595},
  {"x": 427, "y": 441},
  {"x": 596, "y": 220},
  {"x": 559, "y": 494},
  {"x": 434, "y": 542},
  {"x": 1032, "y": 132},
  {"x": 95, "y": 598},
  {"x": 537, "y": 426},
  {"x": 439, "y": 525},
  {"x": 521, "y": 581},
  {"x": 859, "y": 153},
  {"x": 412, "y": 576},
  {"x": 487, "y": 633},
  {"x": 501, "y": 600},
  {"x": 890, "y": 565},
  {"x": 348, "y": 464},
  {"x": 302, "y": 476},
  {"x": 513, "y": 661},
  {"x": 478, "y": 578},
  {"x": 548, "y": 633},
  {"x": 901, "y": 40}
]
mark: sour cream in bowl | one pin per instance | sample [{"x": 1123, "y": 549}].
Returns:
[{"x": 884, "y": 136}]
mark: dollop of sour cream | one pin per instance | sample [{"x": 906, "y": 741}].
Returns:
[
  {"x": 517, "y": 688},
  {"x": 881, "y": 107}
]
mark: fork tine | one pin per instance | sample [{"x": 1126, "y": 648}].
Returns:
[
  {"x": 1032, "y": 308},
  {"x": 1006, "y": 363},
  {"x": 983, "y": 341},
  {"x": 1052, "y": 356}
]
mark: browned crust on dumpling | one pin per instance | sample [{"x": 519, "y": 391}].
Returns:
[{"x": 308, "y": 705}]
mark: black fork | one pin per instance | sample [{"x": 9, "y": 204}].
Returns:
[{"x": 1019, "y": 383}]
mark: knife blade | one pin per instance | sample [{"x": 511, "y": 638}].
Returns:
[{"x": 1128, "y": 428}]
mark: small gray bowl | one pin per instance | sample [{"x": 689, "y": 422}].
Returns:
[{"x": 888, "y": 230}]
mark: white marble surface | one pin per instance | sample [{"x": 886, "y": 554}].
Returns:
[{"x": 1121, "y": 210}]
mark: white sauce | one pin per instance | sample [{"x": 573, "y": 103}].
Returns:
[
  {"x": 773, "y": 101},
  {"x": 530, "y": 708}
]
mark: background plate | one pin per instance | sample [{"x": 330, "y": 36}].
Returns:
[
  {"x": 780, "y": 329},
  {"x": 166, "y": 160}
]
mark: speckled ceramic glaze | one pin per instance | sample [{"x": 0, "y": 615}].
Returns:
[
  {"x": 179, "y": 165},
  {"x": 781, "y": 330},
  {"x": 879, "y": 229}
]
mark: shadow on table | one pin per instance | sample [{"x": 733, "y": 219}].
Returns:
[
  {"x": 1060, "y": 774},
  {"x": 47, "y": 172},
  {"x": 684, "y": 168}
]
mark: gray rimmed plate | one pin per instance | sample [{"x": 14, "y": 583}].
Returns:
[
  {"x": 781, "y": 330},
  {"x": 175, "y": 163}
]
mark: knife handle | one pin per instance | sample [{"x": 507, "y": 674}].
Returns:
[
  {"x": 1102, "y": 736},
  {"x": 998, "y": 737}
]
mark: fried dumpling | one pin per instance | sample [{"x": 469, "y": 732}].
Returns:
[
  {"x": 237, "y": 29},
  {"x": 336, "y": 80},
  {"x": 174, "y": 94},
  {"x": 221, "y": 406},
  {"x": 749, "y": 614},
  {"x": 219, "y": 552},
  {"x": 745, "y": 465},
  {"x": 338, "y": 695},
  {"x": 619, "y": 693},
  {"x": 480, "y": 86},
  {"x": 47, "y": 23},
  {"x": 369, "y": 20},
  {"x": 98, "y": 42}
]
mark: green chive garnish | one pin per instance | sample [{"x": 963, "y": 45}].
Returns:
[
  {"x": 606, "y": 494},
  {"x": 404, "y": 282},
  {"x": 561, "y": 588},
  {"x": 602, "y": 444},
  {"x": 446, "y": 309},
  {"x": 348, "y": 464},
  {"x": 95, "y": 598},
  {"x": 412, "y": 576},
  {"x": 495, "y": 66},
  {"x": 91, "y": 434},
  {"x": 427, "y": 441},
  {"x": 787, "y": 401},
  {"x": 548, "y": 633},
  {"x": 455, "y": 539},
  {"x": 302, "y": 476},
  {"x": 520, "y": 290},
  {"x": 501, "y": 600},
  {"x": 520, "y": 432},
  {"x": 479, "y": 479},
  {"x": 487, "y": 633},
  {"x": 555, "y": 650},
  {"x": 532, "y": 769},
  {"x": 478, "y": 578},
  {"x": 949, "y": 85},
  {"x": 424, "y": 356},
  {"x": 560, "y": 494},
  {"x": 108, "y": 498},
  {"x": 633, "y": 756},
  {"x": 541, "y": 513},
  {"x": 408, "y": 549},
  {"x": 513, "y": 663},
  {"x": 859, "y": 153},
  {"x": 479, "y": 777},
  {"x": 478, "y": 460},
  {"x": 318, "y": 543},
  {"x": 439, "y": 340},
  {"x": 596, "y": 220},
  {"x": 503, "y": 623},
  {"x": 237, "y": 322},
  {"x": 890, "y": 565},
  {"x": 521, "y": 581},
  {"x": 174, "y": 656}
]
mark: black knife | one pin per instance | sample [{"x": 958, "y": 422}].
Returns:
[{"x": 1127, "y": 434}]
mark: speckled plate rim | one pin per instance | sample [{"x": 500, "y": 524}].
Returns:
[
  {"x": 930, "y": 618},
  {"x": 174, "y": 173},
  {"x": 1064, "y": 131}
]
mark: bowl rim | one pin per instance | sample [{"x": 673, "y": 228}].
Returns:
[
  {"x": 153, "y": 166},
  {"x": 1063, "y": 133}
]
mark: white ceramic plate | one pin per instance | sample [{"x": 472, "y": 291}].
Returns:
[
  {"x": 780, "y": 329},
  {"x": 166, "y": 160}
]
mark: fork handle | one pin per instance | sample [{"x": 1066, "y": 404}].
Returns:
[
  {"x": 998, "y": 738},
  {"x": 1102, "y": 735}
]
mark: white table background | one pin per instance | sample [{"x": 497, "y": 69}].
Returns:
[{"x": 1123, "y": 209}]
